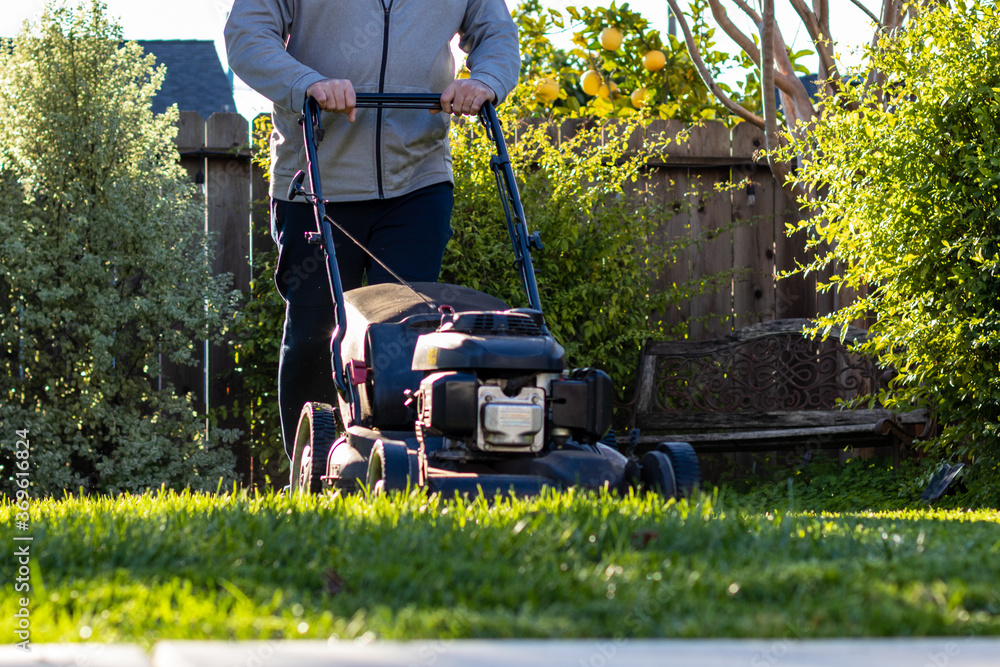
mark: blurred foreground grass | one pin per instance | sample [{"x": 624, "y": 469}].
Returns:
[{"x": 238, "y": 565}]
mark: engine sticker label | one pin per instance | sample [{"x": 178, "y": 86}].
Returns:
[{"x": 515, "y": 417}]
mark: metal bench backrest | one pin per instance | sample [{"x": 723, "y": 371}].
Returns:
[{"x": 766, "y": 376}]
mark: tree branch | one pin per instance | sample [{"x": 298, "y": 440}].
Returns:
[
  {"x": 767, "y": 81},
  {"x": 749, "y": 11},
  {"x": 875, "y": 19},
  {"x": 744, "y": 42},
  {"x": 772, "y": 139},
  {"x": 785, "y": 77},
  {"x": 892, "y": 19},
  {"x": 706, "y": 75},
  {"x": 790, "y": 109},
  {"x": 819, "y": 33},
  {"x": 822, "y": 10}
]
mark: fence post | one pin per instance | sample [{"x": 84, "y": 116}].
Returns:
[
  {"x": 227, "y": 185},
  {"x": 795, "y": 296},
  {"x": 753, "y": 237},
  {"x": 711, "y": 311},
  {"x": 190, "y": 143},
  {"x": 669, "y": 185}
]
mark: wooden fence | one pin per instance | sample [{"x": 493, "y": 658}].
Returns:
[
  {"x": 216, "y": 155},
  {"x": 744, "y": 227}
]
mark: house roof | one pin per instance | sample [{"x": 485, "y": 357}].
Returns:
[
  {"x": 811, "y": 84},
  {"x": 195, "y": 79}
]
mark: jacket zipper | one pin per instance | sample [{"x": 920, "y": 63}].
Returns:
[{"x": 381, "y": 88}]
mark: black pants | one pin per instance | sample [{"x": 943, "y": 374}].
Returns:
[{"x": 407, "y": 233}]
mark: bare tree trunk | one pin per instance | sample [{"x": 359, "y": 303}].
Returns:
[{"x": 771, "y": 137}]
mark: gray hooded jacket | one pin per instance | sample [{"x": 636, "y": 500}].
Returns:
[{"x": 281, "y": 47}]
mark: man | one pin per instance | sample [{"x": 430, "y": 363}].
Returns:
[{"x": 387, "y": 172}]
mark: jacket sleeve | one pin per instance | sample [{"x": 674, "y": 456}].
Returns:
[
  {"x": 489, "y": 36},
  {"x": 255, "y": 46}
]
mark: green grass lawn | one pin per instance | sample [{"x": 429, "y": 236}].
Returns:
[{"x": 168, "y": 565}]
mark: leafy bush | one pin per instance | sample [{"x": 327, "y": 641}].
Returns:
[
  {"x": 597, "y": 266},
  {"x": 104, "y": 267},
  {"x": 911, "y": 176},
  {"x": 256, "y": 336}
]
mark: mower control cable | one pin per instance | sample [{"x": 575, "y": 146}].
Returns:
[
  {"x": 314, "y": 237},
  {"x": 503, "y": 172}
]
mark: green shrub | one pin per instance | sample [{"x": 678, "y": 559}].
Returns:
[
  {"x": 597, "y": 266},
  {"x": 104, "y": 266},
  {"x": 911, "y": 175}
]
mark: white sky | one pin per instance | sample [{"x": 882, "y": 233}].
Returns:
[{"x": 204, "y": 19}]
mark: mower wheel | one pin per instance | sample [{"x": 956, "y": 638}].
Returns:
[
  {"x": 657, "y": 474},
  {"x": 687, "y": 470},
  {"x": 392, "y": 467},
  {"x": 314, "y": 437}
]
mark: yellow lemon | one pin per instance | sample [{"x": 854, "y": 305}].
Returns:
[
  {"x": 546, "y": 89},
  {"x": 654, "y": 60},
  {"x": 638, "y": 98},
  {"x": 611, "y": 38},
  {"x": 603, "y": 91},
  {"x": 591, "y": 81}
]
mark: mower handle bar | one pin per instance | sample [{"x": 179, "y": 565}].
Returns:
[{"x": 398, "y": 101}]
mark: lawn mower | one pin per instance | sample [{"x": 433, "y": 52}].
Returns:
[{"x": 449, "y": 389}]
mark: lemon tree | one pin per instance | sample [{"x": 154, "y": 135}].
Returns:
[{"x": 615, "y": 65}]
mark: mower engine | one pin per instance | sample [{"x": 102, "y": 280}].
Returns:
[{"x": 495, "y": 383}]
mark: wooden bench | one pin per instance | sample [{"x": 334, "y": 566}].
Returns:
[{"x": 763, "y": 388}]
